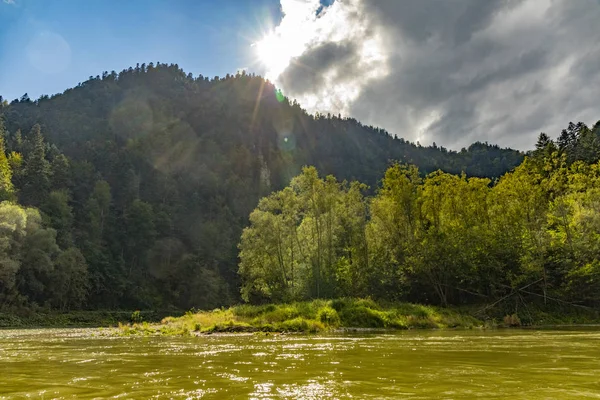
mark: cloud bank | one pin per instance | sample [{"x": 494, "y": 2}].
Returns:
[{"x": 449, "y": 71}]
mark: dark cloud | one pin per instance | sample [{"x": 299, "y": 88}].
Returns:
[
  {"x": 308, "y": 71},
  {"x": 456, "y": 71},
  {"x": 420, "y": 21}
]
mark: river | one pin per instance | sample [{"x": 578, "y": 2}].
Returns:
[{"x": 515, "y": 364}]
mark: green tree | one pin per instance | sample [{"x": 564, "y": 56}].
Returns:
[
  {"x": 98, "y": 209},
  {"x": 7, "y": 190},
  {"x": 13, "y": 223},
  {"x": 296, "y": 246},
  {"x": 69, "y": 280},
  {"x": 140, "y": 234},
  {"x": 36, "y": 179},
  {"x": 395, "y": 221},
  {"x": 61, "y": 173},
  {"x": 39, "y": 251},
  {"x": 60, "y": 215}
]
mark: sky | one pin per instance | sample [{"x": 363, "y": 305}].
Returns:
[
  {"x": 47, "y": 46},
  {"x": 445, "y": 71}
]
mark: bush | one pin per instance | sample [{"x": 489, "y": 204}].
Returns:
[
  {"x": 362, "y": 317},
  {"x": 300, "y": 324},
  {"x": 512, "y": 320},
  {"x": 232, "y": 327},
  {"x": 249, "y": 311},
  {"x": 328, "y": 316},
  {"x": 339, "y": 304},
  {"x": 136, "y": 317},
  {"x": 421, "y": 322},
  {"x": 367, "y": 303},
  {"x": 417, "y": 310},
  {"x": 281, "y": 313}
]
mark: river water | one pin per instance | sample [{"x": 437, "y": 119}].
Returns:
[{"x": 515, "y": 364}]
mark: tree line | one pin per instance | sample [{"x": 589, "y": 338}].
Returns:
[
  {"x": 441, "y": 238},
  {"x": 136, "y": 185}
]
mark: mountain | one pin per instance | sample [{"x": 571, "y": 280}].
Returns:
[{"x": 148, "y": 177}]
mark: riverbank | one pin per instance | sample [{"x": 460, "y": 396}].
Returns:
[
  {"x": 355, "y": 315},
  {"x": 307, "y": 317},
  {"x": 74, "y": 319}
]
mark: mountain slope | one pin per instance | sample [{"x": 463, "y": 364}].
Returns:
[{"x": 153, "y": 174}]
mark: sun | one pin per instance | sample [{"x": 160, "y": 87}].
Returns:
[{"x": 273, "y": 53}]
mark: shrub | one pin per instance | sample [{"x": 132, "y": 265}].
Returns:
[
  {"x": 362, "y": 317},
  {"x": 136, "y": 317},
  {"x": 300, "y": 324},
  {"x": 250, "y": 311},
  {"x": 367, "y": 303},
  {"x": 328, "y": 316},
  {"x": 420, "y": 322},
  {"x": 512, "y": 320},
  {"x": 339, "y": 304},
  {"x": 281, "y": 313}
]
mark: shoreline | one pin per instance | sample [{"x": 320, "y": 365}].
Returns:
[
  {"x": 338, "y": 315},
  {"x": 351, "y": 316}
]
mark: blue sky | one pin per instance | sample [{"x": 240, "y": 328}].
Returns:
[
  {"x": 49, "y": 46},
  {"x": 451, "y": 72}
]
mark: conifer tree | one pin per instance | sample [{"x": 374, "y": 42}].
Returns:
[
  {"x": 6, "y": 185},
  {"x": 36, "y": 183}
]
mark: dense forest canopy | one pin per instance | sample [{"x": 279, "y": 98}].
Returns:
[
  {"x": 132, "y": 190},
  {"x": 444, "y": 238}
]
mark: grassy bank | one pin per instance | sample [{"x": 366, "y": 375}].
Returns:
[{"x": 314, "y": 316}]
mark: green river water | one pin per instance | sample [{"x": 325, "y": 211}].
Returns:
[{"x": 515, "y": 364}]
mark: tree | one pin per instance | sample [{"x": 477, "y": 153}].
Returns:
[
  {"x": 98, "y": 208},
  {"x": 39, "y": 250},
  {"x": 270, "y": 254},
  {"x": 391, "y": 232},
  {"x": 13, "y": 222},
  {"x": 353, "y": 267},
  {"x": 105, "y": 270},
  {"x": 61, "y": 173},
  {"x": 588, "y": 145},
  {"x": 545, "y": 147},
  {"x": 6, "y": 186},
  {"x": 295, "y": 247},
  {"x": 36, "y": 180},
  {"x": 69, "y": 280},
  {"x": 60, "y": 214},
  {"x": 140, "y": 232}
]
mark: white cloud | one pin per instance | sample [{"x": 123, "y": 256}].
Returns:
[
  {"x": 9, "y": 1},
  {"x": 452, "y": 72},
  {"x": 309, "y": 44}
]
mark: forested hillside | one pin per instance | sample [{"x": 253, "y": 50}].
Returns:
[{"x": 132, "y": 189}]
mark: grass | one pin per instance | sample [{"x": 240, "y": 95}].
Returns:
[{"x": 306, "y": 317}]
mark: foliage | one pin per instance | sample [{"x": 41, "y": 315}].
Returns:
[
  {"x": 532, "y": 235},
  {"x": 132, "y": 190},
  {"x": 136, "y": 316},
  {"x": 512, "y": 320}
]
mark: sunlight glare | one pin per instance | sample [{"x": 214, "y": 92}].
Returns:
[{"x": 273, "y": 53}]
